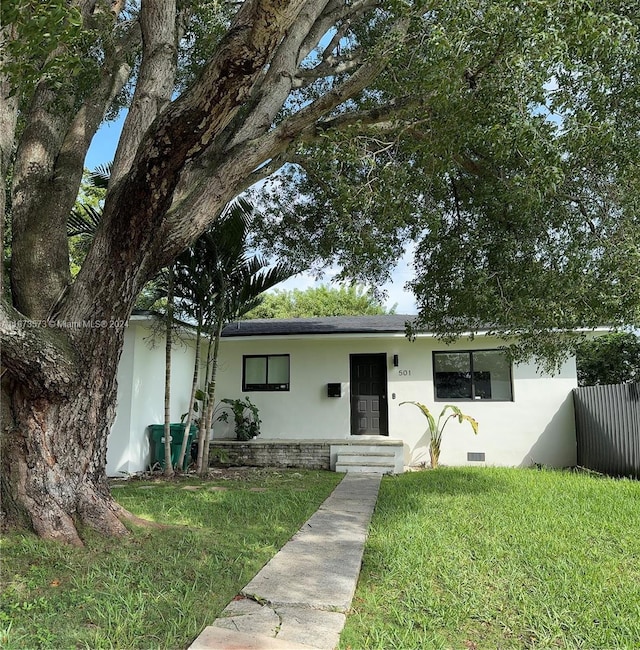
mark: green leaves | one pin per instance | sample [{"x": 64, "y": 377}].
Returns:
[
  {"x": 609, "y": 359},
  {"x": 217, "y": 278},
  {"x": 246, "y": 417},
  {"x": 318, "y": 302},
  {"x": 461, "y": 417},
  {"x": 48, "y": 43},
  {"x": 436, "y": 429},
  {"x": 507, "y": 145}
]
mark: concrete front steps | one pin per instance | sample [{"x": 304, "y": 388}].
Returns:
[{"x": 368, "y": 455}]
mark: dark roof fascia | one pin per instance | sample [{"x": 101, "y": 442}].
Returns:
[{"x": 337, "y": 325}]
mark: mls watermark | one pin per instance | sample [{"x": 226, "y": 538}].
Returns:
[{"x": 71, "y": 325}]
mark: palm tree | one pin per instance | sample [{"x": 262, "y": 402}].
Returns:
[{"x": 218, "y": 280}]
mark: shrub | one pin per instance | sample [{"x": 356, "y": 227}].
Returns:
[{"x": 245, "y": 416}]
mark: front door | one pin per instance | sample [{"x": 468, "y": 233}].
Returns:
[{"x": 369, "y": 395}]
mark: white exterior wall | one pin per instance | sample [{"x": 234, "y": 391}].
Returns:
[
  {"x": 536, "y": 427},
  {"x": 141, "y": 395}
]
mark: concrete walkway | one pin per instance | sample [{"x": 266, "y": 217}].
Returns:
[{"x": 300, "y": 598}]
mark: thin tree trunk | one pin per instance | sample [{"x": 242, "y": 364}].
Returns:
[
  {"x": 202, "y": 429},
  {"x": 434, "y": 454},
  {"x": 192, "y": 397},
  {"x": 203, "y": 465},
  {"x": 168, "y": 465}
]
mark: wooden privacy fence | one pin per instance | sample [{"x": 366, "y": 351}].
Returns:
[{"x": 608, "y": 428}]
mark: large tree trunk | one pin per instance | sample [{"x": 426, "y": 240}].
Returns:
[{"x": 54, "y": 447}]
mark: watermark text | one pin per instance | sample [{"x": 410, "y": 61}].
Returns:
[{"x": 71, "y": 325}]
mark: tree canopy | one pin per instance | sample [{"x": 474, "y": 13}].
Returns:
[
  {"x": 501, "y": 135},
  {"x": 609, "y": 359},
  {"x": 508, "y": 150},
  {"x": 318, "y": 301}
]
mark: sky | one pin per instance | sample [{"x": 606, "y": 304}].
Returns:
[{"x": 102, "y": 151}]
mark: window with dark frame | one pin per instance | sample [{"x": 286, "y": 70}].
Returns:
[
  {"x": 472, "y": 375},
  {"x": 265, "y": 372}
]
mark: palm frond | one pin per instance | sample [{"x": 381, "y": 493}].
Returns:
[
  {"x": 101, "y": 175},
  {"x": 83, "y": 221},
  {"x": 220, "y": 274}
]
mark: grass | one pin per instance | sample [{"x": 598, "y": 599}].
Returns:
[
  {"x": 500, "y": 558},
  {"x": 158, "y": 588}
]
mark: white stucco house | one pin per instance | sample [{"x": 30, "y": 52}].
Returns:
[
  {"x": 343, "y": 379},
  {"x": 336, "y": 385},
  {"x": 141, "y": 391}
]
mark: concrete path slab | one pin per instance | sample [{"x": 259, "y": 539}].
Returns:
[
  {"x": 300, "y": 598},
  {"x": 220, "y": 639}
]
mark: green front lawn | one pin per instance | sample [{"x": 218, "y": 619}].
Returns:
[
  {"x": 500, "y": 558},
  {"x": 159, "y": 587}
]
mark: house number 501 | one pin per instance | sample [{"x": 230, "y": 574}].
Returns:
[{"x": 404, "y": 373}]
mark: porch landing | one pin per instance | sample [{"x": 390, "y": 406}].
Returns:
[{"x": 367, "y": 454}]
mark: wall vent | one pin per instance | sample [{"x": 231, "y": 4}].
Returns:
[{"x": 475, "y": 456}]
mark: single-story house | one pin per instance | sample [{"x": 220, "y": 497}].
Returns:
[
  {"x": 344, "y": 379},
  {"x": 336, "y": 386}
]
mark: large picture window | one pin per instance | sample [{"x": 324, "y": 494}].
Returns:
[
  {"x": 265, "y": 372},
  {"x": 477, "y": 375}
]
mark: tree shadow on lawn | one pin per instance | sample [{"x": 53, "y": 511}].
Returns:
[{"x": 210, "y": 506}]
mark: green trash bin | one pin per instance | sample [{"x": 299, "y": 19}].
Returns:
[{"x": 177, "y": 434}]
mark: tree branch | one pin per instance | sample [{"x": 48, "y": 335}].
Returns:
[
  {"x": 321, "y": 26},
  {"x": 36, "y": 353},
  {"x": 156, "y": 80},
  {"x": 306, "y": 118},
  {"x": 328, "y": 68},
  {"x": 201, "y": 204},
  {"x": 335, "y": 13},
  {"x": 384, "y": 118},
  {"x": 314, "y": 21},
  {"x": 8, "y": 121},
  {"x": 113, "y": 76},
  {"x": 266, "y": 170},
  {"x": 278, "y": 79},
  {"x": 334, "y": 43},
  {"x": 49, "y": 161},
  {"x": 136, "y": 206}
]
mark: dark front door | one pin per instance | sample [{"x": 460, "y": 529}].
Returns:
[{"x": 369, "y": 395}]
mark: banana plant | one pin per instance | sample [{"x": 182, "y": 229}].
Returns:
[{"x": 436, "y": 427}]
